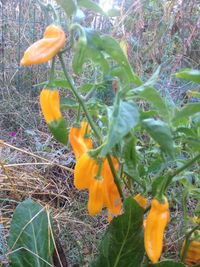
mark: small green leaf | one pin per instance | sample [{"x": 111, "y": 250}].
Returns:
[
  {"x": 186, "y": 112},
  {"x": 153, "y": 97},
  {"x": 30, "y": 240},
  {"x": 86, "y": 87},
  {"x": 91, "y": 6},
  {"x": 189, "y": 74},
  {"x": 168, "y": 263},
  {"x": 114, "y": 50},
  {"x": 123, "y": 117},
  {"x": 59, "y": 130},
  {"x": 66, "y": 102},
  {"x": 123, "y": 244},
  {"x": 62, "y": 83},
  {"x": 69, "y": 6},
  {"x": 161, "y": 133}
]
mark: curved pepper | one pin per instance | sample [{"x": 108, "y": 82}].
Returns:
[
  {"x": 102, "y": 190},
  {"x": 156, "y": 223},
  {"x": 142, "y": 201},
  {"x": 46, "y": 48},
  {"x": 79, "y": 142},
  {"x": 50, "y": 105}
]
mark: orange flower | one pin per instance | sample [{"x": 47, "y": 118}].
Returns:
[
  {"x": 50, "y": 105},
  {"x": 46, "y": 48},
  {"x": 79, "y": 142}
]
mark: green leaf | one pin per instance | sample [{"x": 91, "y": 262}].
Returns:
[
  {"x": 149, "y": 93},
  {"x": 123, "y": 117},
  {"x": 69, "y": 6},
  {"x": 86, "y": 87},
  {"x": 153, "y": 97},
  {"x": 91, "y": 6},
  {"x": 66, "y": 102},
  {"x": 29, "y": 238},
  {"x": 59, "y": 130},
  {"x": 123, "y": 244},
  {"x": 62, "y": 83},
  {"x": 114, "y": 50},
  {"x": 186, "y": 112},
  {"x": 189, "y": 74},
  {"x": 168, "y": 263},
  {"x": 161, "y": 133}
]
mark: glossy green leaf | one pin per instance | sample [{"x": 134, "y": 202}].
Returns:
[
  {"x": 59, "y": 130},
  {"x": 91, "y": 6},
  {"x": 123, "y": 244},
  {"x": 186, "y": 112},
  {"x": 161, "y": 133},
  {"x": 122, "y": 118},
  {"x": 29, "y": 238},
  {"x": 66, "y": 102},
  {"x": 168, "y": 263},
  {"x": 189, "y": 74},
  {"x": 114, "y": 50},
  {"x": 69, "y": 6}
]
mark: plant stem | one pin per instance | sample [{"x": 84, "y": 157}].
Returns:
[
  {"x": 116, "y": 179},
  {"x": 176, "y": 172},
  {"x": 79, "y": 98}
]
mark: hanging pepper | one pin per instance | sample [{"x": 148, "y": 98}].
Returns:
[
  {"x": 46, "y": 48},
  {"x": 193, "y": 253},
  {"x": 78, "y": 139},
  {"x": 156, "y": 223},
  {"x": 102, "y": 189},
  {"x": 142, "y": 201},
  {"x": 50, "y": 105}
]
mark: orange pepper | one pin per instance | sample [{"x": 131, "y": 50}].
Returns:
[
  {"x": 46, "y": 48},
  {"x": 79, "y": 142},
  {"x": 50, "y": 105},
  {"x": 156, "y": 222},
  {"x": 102, "y": 190}
]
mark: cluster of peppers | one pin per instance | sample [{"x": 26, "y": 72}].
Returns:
[{"x": 90, "y": 173}]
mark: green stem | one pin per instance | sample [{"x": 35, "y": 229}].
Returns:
[
  {"x": 187, "y": 165},
  {"x": 116, "y": 179},
  {"x": 187, "y": 242},
  {"x": 78, "y": 114},
  {"x": 79, "y": 98},
  {"x": 52, "y": 72}
]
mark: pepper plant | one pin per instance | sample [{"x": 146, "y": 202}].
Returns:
[{"x": 128, "y": 155}]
